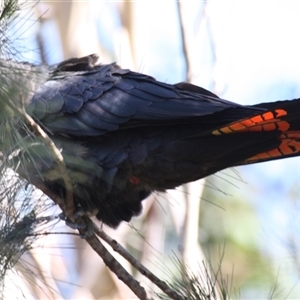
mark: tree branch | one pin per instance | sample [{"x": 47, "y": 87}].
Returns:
[
  {"x": 134, "y": 262},
  {"x": 84, "y": 224}
]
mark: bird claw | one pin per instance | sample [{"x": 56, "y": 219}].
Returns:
[{"x": 81, "y": 223}]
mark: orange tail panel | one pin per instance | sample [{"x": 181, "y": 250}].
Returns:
[{"x": 268, "y": 121}]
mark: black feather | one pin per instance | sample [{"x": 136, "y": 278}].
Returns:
[{"x": 123, "y": 134}]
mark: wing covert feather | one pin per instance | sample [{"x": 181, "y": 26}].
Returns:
[{"x": 107, "y": 98}]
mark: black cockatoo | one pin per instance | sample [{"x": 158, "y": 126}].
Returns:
[{"x": 124, "y": 135}]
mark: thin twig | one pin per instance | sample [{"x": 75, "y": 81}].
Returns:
[
  {"x": 134, "y": 262},
  {"x": 69, "y": 206},
  {"x": 183, "y": 43},
  {"x": 113, "y": 264}
]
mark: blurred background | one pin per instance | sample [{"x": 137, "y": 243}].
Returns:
[{"x": 244, "y": 220}]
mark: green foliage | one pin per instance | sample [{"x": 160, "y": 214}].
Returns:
[
  {"x": 10, "y": 7},
  {"x": 208, "y": 285},
  {"x": 19, "y": 210}
]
